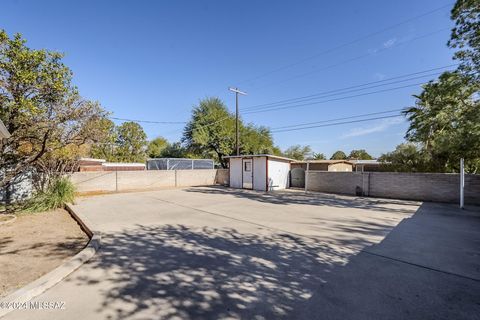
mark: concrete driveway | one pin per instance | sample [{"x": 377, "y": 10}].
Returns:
[{"x": 208, "y": 253}]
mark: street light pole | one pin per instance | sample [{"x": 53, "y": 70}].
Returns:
[{"x": 237, "y": 131}]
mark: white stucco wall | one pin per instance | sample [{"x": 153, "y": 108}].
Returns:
[
  {"x": 236, "y": 173},
  {"x": 259, "y": 173},
  {"x": 278, "y": 174}
]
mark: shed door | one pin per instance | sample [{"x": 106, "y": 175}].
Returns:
[{"x": 247, "y": 169}]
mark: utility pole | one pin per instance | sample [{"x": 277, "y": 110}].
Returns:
[{"x": 237, "y": 133}]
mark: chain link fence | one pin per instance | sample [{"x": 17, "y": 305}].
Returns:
[{"x": 179, "y": 164}]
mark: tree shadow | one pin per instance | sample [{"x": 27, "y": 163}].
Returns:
[
  {"x": 61, "y": 249},
  {"x": 177, "y": 271},
  {"x": 208, "y": 273},
  {"x": 295, "y": 197},
  {"x": 4, "y": 242}
]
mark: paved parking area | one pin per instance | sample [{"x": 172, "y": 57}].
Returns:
[{"x": 211, "y": 252}]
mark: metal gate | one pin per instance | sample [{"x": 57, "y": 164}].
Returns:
[{"x": 297, "y": 178}]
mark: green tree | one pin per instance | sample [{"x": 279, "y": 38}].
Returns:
[
  {"x": 318, "y": 156},
  {"x": 407, "y": 157},
  {"x": 298, "y": 152},
  {"x": 105, "y": 147},
  {"x": 156, "y": 147},
  {"x": 175, "y": 150},
  {"x": 211, "y": 133},
  {"x": 465, "y": 35},
  {"x": 256, "y": 140},
  {"x": 276, "y": 151},
  {"x": 131, "y": 142},
  {"x": 338, "y": 155},
  {"x": 445, "y": 121},
  {"x": 359, "y": 154},
  {"x": 211, "y": 130},
  {"x": 40, "y": 107}
]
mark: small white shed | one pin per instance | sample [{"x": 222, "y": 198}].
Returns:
[{"x": 262, "y": 172}]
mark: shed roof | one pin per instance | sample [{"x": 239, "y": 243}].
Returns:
[
  {"x": 260, "y": 155},
  {"x": 3, "y": 131}
]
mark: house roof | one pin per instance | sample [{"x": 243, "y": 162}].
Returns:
[
  {"x": 92, "y": 160},
  {"x": 260, "y": 155},
  {"x": 325, "y": 161},
  {"x": 373, "y": 162},
  {"x": 4, "y": 134},
  {"x": 123, "y": 164}
]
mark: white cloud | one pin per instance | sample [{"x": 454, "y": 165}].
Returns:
[
  {"x": 379, "y": 76},
  {"x": 380, "y": 126},
  {"x": 390, "y": 42}
]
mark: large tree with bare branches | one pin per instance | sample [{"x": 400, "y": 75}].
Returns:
[{"x": 42, "y": 110}]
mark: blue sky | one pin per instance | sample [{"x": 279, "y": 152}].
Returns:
[{"x": 154, "y": 60}]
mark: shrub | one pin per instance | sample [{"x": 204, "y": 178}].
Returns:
[{"x": 57, "y": 194}]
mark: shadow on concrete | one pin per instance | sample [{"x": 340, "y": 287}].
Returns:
[
  {"x": 175, "y": 271},
  {"x": 289, "y": 197}
]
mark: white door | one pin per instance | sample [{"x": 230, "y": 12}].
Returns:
[{"x": 247, "y": 169}]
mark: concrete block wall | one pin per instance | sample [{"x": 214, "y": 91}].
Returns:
[
  {"x": 187, "y": 178},
  {"x": 440, "y": 187},
  {"x": 145, "y": 180},
  {"x": 334, "y": 182},
  {"x": 415, "y": 186},
  {"x": 223, "y": 177},
  {"x": 92, "y": 182},
  {"x": 472, "y": 189}
]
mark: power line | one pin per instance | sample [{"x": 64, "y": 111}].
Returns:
[
  {"x": 149, "y": 121},
  {"x": 346, "y": 44},
  {"x": 275, "y": 107},
  {"x": 337, "y": 119},
  {"x": 347, "y": 88},
  {"x": 337, "y": 123},
  {"x": 343, "y": 62},
  {"x": 336, "y": 99},
  {"x": 340, "y": 93}
]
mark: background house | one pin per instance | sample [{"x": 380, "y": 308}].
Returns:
[
  {"x": 325, "y": 165},
  {"x": 90, "y": 164},
  {"x": 366, "y": 165}
]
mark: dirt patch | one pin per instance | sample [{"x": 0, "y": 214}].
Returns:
[{"x": 35, "y": 244}]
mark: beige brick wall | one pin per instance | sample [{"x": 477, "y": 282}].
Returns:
[
  {"x": 334, "y": 182},
  {"x": 92, "y": 182},
  {"x": 145, "y": 180},
  {"x": 223, "y": 177},
  {"x": 441, "y": 187},
  {"x": 186, "y": 178}
]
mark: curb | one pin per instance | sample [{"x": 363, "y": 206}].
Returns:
[{"x": 45, "y": 282}]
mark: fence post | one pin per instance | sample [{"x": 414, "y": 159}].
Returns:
[
  {"x": 306, "y": 176},
  {"x": 192, "y": 164},
  {"x": 462, "y": 183}
]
